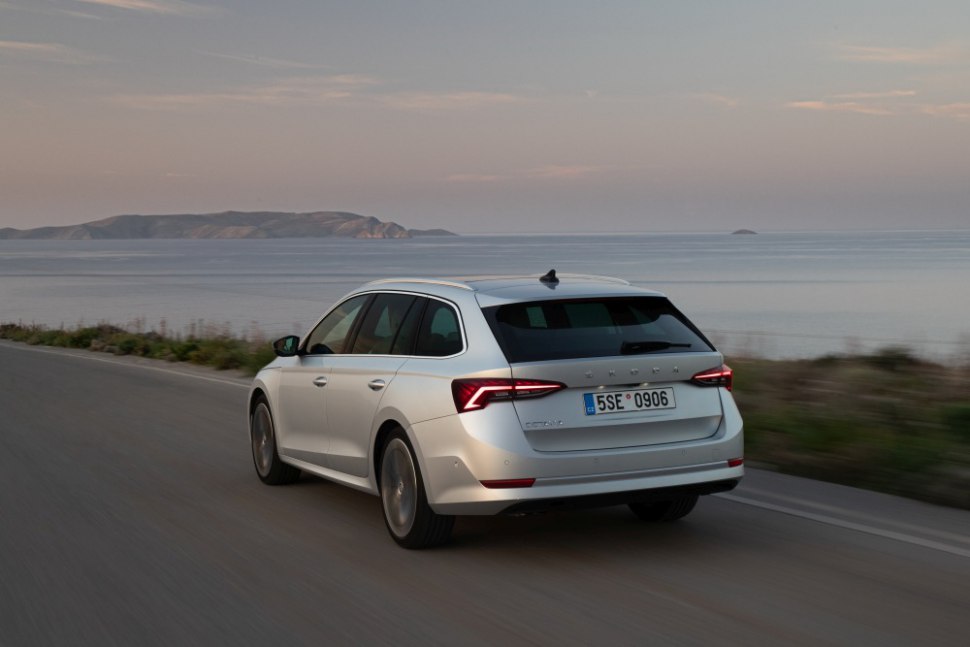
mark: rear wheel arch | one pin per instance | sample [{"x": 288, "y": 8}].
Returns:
[
  {"x": 409, "y": 519},
  {"x": 380, "y": 440}
]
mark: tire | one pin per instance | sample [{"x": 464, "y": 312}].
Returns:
[
  {"x": 262, "y": 435},
  {"x": 408, "y": 517},
  {"x": 665, "y": 510}
]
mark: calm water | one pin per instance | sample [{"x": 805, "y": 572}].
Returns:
[{"x": 775, "y": 294}]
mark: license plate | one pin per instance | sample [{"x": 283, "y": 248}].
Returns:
[{"x": 628, "y": 401}]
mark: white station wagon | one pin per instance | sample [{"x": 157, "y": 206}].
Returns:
[{"x": 500, "y": 396}]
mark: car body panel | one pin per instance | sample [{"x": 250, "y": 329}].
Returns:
[
  {"x": 493, "y": 448},
  {"x": 301, "y": 408},
  {"x": 353, "y": 398},
  {"x": 559, "y": 422}
]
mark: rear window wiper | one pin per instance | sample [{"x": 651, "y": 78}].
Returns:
[{"x": 635, "y": 347}]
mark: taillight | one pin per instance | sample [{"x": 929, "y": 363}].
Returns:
[
  {"x": 476, "y": 393},
  {"x": 721, "y": 376}
]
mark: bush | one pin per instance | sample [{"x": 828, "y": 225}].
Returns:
[
  {"x": 956, "y": 419},
  {"x": 892, "y": 358},
  {"x": 220, "y": 351},
  {"x": 259, "y": 356},
  {"x": 886, "y": 421}
]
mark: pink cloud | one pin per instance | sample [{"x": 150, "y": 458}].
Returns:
[
  {"x": 912, "y": 55},
  {"x": 845, "y": 106}
]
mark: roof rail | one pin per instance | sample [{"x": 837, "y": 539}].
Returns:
[
  {"x": 454, "y": 284},
  {"x": 594, "y": 277},
  {"x": 567, "y": 275},
  {"x": 463, "y": 282}
]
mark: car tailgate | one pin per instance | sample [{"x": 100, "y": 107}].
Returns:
[{"x": 655, "y": 402}]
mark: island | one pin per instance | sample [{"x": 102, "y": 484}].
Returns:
[
  {"x": 228, "y": 224},
  {"x": 743, "y": 232}
]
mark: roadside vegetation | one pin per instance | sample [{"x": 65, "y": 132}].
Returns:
[
  {"x": 886, "y": 421},
  {"x": 205, "y": 346}
]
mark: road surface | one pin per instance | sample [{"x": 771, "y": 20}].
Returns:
[{"x": 130, "y": 514}]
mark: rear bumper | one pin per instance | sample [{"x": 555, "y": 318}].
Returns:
[
  {"x": 592, "y": 490},
  {"x": 621, "y": 498},
  {"x": 456, "y": 453}
]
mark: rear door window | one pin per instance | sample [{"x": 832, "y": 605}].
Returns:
[
  {"x": 382, "y": 323},
  {"x": 407, "y": 335},
  {"x": 572, "y": 329},
  {"x": 440, "y": 332}
]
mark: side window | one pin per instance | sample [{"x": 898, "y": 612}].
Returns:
[
  {"x": 439, "y": 335},
  {"x": 330, "y": 335},
  {"x": 404, "y": 343},
  {"x": 381, "y": 324}
]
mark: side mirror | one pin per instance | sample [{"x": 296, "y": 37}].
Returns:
[{"x": 286, "y": 346}]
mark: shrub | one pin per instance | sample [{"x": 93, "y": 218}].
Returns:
[
  {"x": 892, "y": 358},
  {"x": 956, "y": 419},
  {"x": 221, "y": 352}
]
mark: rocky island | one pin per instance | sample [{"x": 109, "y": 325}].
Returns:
[{"x": 228, "y": 224}]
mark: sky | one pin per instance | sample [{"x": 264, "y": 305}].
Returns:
[{"x": 499, "y": 116}]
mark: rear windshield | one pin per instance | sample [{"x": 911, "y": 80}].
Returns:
[{"x": 575, "y": 328}]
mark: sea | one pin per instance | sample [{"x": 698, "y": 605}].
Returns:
[{"x": 774, "y": 295}]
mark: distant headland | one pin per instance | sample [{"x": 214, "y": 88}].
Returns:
[{"x": 228, "y": 224}]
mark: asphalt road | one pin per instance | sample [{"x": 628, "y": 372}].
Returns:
[{"x": 130, "y": 515}]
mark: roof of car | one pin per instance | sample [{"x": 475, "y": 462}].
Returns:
[{"x": 492, "y": 290}]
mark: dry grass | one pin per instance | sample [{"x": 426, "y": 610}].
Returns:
[
  {"x": 207, "y": 346},
  {"x": 887, "y": 421}
]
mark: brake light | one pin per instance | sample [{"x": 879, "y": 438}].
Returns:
[
  {"x": 721, "y": 376},
  {"x": 476, "y": 393}
]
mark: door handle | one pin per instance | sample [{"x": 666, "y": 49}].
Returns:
[
  {"x": 320, "y": 381},
  {"x": 377, "y": 385}
]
